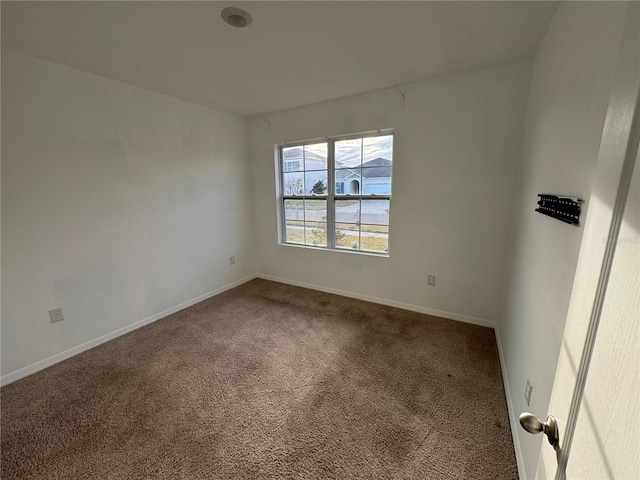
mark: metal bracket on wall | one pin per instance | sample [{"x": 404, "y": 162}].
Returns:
[{"x": 565, "y": 209}]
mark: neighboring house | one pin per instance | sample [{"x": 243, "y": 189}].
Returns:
[
  {"x": 295, "y": 165},
  {"x": 373, "y": 178}
]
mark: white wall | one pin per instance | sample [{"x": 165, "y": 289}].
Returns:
[
  {"x": 457, "y": 143},
  {"x": 117, "y": 204},
  {"x": 571, "y": 79}
]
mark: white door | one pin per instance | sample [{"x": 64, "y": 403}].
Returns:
[{"x": 596, "y": 391}]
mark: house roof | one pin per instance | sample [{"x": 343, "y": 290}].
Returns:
[
  {"x": 296, "y": 153},
  {"x": 379, "y": 167}
]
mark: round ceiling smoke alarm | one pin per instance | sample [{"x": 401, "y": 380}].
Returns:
[{"x": 236, "y": 17}]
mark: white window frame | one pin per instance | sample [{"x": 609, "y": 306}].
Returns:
[{"x": 331, "y": 196}]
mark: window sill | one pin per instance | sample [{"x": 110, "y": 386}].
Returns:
[{"x": 335, "y": 250}]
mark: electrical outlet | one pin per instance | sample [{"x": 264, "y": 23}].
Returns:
[
  {"x": 232, "y": 260},
  {"x": 431, "y": 280},
  {"x": 527, "y": 392},
  {"x": 56, "y": 315}
]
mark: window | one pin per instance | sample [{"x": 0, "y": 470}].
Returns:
[
  {"x": 336, "y": 193},
  {"x": 291, "y": 165}
]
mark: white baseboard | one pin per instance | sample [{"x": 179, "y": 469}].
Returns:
[
  {"x": 512, "y": 414},
  {"x": 59, "y": 357},
  {"x": 383, "y": 301}
]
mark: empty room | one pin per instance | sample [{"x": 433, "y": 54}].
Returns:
[{"x": 320, "y": 239}]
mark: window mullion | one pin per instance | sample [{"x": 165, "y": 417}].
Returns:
[
  {"x": 360, "y": 192},
  {"x": 360, "y": 221},
  {"x": 304, "y": 200},
  {"x": 282, "y": 195},
  {"x": 331, "y": 180}
]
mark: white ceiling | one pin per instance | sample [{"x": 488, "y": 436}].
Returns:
[{"x": 294, "y": 53}]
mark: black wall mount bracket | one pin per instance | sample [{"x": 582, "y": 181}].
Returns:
[{"x": 565, "y": 209}]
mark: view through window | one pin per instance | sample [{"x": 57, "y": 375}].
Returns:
[{"x": 336, "y": 193}]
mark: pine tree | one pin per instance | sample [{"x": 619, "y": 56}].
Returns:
[{"x": 319, "y": 188}]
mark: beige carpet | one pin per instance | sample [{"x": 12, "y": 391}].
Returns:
[{"x": 269, "y": 381}]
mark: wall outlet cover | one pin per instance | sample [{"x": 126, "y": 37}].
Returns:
[
  {"x": 527, "y": 392},
  {"x": 56, "y": 315},
  {"x": 431, "y": 280}
]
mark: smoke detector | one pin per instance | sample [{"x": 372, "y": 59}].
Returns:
[{"x": 236, "y": 17}]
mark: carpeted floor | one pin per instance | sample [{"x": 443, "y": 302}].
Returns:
[{"x": 269, "y": 381}]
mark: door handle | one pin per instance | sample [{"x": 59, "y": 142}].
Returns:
[{"x": 533, "y": 424}]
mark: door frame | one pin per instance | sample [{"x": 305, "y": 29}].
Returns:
[{"x": 618, "y": 153}]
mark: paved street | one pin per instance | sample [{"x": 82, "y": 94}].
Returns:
[{"x": 373, "y": 213}]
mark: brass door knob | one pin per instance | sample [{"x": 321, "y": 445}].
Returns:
[{"x": 533, "y": 424}]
